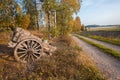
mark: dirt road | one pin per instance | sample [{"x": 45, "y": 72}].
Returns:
[{"x": 108, "y": 65}]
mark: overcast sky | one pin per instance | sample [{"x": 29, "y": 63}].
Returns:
[{"x": 101, "y": 12}]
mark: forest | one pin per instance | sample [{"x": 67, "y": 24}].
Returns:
[{"x": 57, "y": 16}]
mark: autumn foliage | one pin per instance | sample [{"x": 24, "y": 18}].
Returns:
[
  {"x": 28, "y": 14},
  {"x": 23, "y": 21}
]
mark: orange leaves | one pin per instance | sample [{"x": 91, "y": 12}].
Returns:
[
  {"x": 26, "y": 21},
  {"x": 77, "y": 24},
  {"x": 73, "y": 4},
  {"x": 23, "y": 21}
]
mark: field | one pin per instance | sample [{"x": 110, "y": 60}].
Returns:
[
  {"x": 112, "y": 28},
  {"x": 68, "y": 62},
  {"x": 113, "y": 34}
]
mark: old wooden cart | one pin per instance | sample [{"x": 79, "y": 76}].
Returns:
[{"x": 28, "y": 47}]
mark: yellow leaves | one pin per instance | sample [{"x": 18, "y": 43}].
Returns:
[
  {"x": 18, "y": 9},
  {"x": 71, "y": 22},
  {"x": 49, "y": 5},
  {"x": 77, "y": 24},
  {"x": 23, "y": 21},
  {"x": 26, "y": 21},
  {"x": 74, "y": 4}
]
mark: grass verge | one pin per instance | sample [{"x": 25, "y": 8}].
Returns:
[
  {"x": 114, "y": 41},
  {"x": 102, "y": 47}
]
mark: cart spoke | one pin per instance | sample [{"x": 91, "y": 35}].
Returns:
[
  {"x": 35, "y": 45},
  {"x": 28, "y": 58},
  {"x": 22, "y": 48},
  {"x": 28, "y": 44},
  {"x": 24, "y": 45},
  {"x": 22, "y": 52},
  {"x": 22, "y": 56},
  {"x": 37, "y": 51},
  {"x": 35, "y": 55},
  {"x": 32, "y": 43},
  {"x": 39, "y": 46},
  {"x": 32, "y": 58}
]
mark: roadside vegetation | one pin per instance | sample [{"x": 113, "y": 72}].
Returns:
[
  {"x": 112, "y": 37},
  {"x": 67, "y": 62},
  {"x": 102, "y": 47},
  {"x": 115, "y": 41}
]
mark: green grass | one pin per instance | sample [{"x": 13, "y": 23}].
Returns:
[
  {"x": 115, "y": 41},
  {"x": 102, "y": 47}
]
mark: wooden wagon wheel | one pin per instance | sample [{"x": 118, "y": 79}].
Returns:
[{"x": 28, "y": 50}]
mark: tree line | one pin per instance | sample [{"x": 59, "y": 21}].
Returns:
[{"x": 56, "y": 15}]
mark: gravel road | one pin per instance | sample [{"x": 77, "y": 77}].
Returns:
[{"x": 108, "y": 65}]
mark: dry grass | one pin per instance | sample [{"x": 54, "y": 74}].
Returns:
[
  {"x": 4, "y": 37},
  {"x": 68, "y": 62},
  {"x": 41, "y": 33}
]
